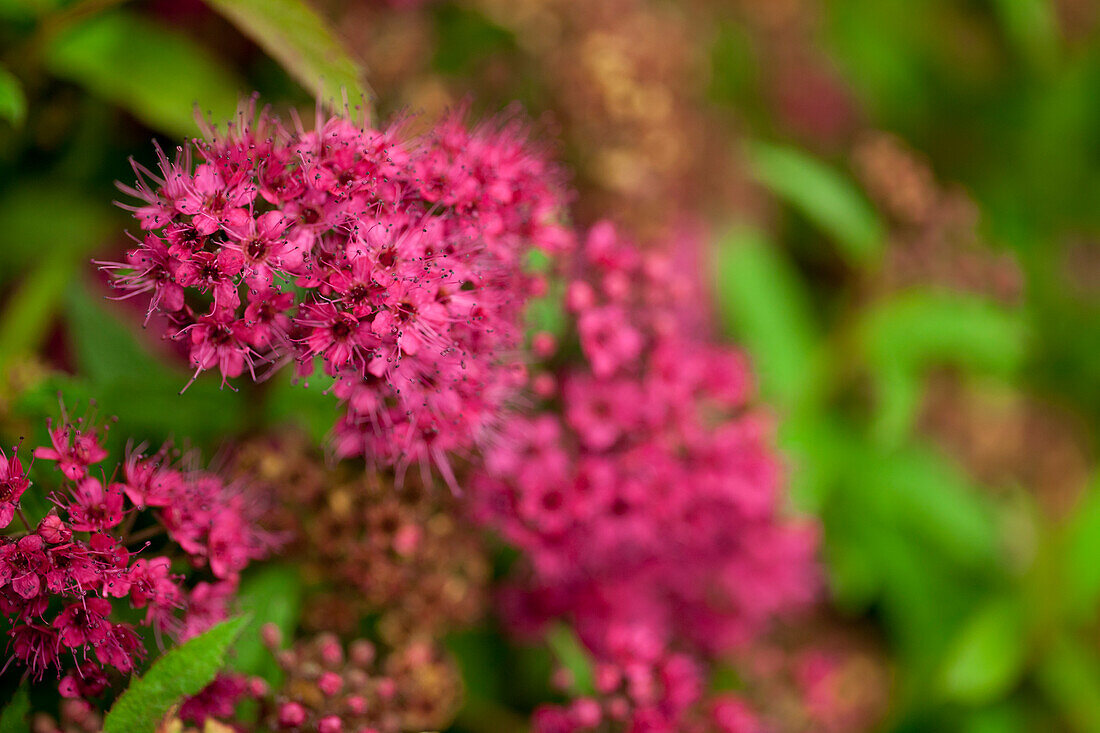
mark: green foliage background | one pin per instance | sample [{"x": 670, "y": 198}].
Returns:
[{"x": 987, "y": 604}]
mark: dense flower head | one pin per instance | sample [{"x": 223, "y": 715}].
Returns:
[
  {"x": 406, "y": 558},
  {"x": 649, "y": 507},
  {"x": 396, "y": 264},
  {"x": 332, "y": 687},
  {"x": 65, "y": 579}
]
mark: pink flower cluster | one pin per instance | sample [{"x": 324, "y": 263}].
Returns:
[
  {"x": 650, "y": 508},
  {"x": 398, "y": 263},
  {"x": 62, "y": 579}
]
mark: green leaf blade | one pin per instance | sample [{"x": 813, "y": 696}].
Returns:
[
  {"x": 296, "y": 36},
  {"x": 572, "y": 655},
  {"x": 153, "y": 71},
  {"x": 13, "y": 103},
  {"x": 823, "y": 195},
  {"x": 761, "y": 300},
  {"x": 181, "y": 672},
  {"x": 988, "y": 655},
  {"x": 13, "y": 719}
]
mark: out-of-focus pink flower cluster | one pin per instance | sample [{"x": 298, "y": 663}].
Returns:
[
  {"x": 397, "y": 262},
  {"x": 331, "y": 687},
  {"x": 62, "y": 579},
  {"x": 650, "y": 508}
]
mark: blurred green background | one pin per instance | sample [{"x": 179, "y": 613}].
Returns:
[{"x": 904, "y": 200}]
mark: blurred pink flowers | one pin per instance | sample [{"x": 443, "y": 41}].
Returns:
[{"x": 650, "y": 508}]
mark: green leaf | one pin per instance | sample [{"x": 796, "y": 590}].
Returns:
[
  {"x": 987, "y": 657},
  {"x": 906, "y": 334},
  {"x": 761, "y": 300},
  {"x": 151, "y": 70},
  {"x": 13, "y": 103},
  {"x": 817, "y": 448},
  {"x": 926, "y": 496},
  {"x": 296, "y": 36},
  {"x": 822, "y": 195},
  {"x": 1081, "y": 583},
  {"x": 1005, "y": 717},
  {"x": 26, "y": 10},
  {"x": 1032, "y": 26},
  {"x": 1069, "y": 676},
  {"x": 181, "y": 672},
  {"x": 30, "y": 227},
  {"x": 919, "y": 327},
  {"x": 478, "y": 652},
  {"x": 13, "y": 719},
  {"x": 465, "y": 37},
  {"x": 572, "y": 655},
  {"x": 25, "y": 322},
  {"x": 270, "y": 594}
]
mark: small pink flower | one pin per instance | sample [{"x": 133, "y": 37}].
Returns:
[
  {"x": 73, "y": 450},
  {"x": 84, "y": 623},
  {"x": 87, "y": 680},
  {"x": 609, "y": 341},
  {"x": 94, "y": 507},
  {"x": 13, "y": 482},
  {"x": 291, "y": 715},
  {"x": 36, "y": 647}
]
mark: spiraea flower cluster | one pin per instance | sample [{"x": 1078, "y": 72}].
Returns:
[
  {"x": 403, "y": 551},
  {"x": 649, "y": 509},
  {"x": 109, "y": 543},
  {"x": 395, "y": 263},
  {"x": 331, "y": 687}
]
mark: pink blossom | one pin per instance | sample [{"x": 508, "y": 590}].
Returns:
[
  {"x": 84, "y": 623},
  {"x": 22, "y": 565},
  {"x": 73, "y": 450},
  {"x": 95, "y": 507},
  {"x": 13, "y": 482}
]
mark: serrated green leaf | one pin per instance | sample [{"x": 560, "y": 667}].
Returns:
[
  {"x": 13, "y": 719},
  {"x": 155, "y": 72},
  {"x": 13, "y": 103},
  {"x": 987, "y": 656},
  {"x": 269, "y": 594},
  {"x": 822, "y": 195},
  {"x": 296, "y": 36},
  {"x": 572, "y": 655},
  {"x": 762, "y": 301},
  {"x": 182, "y": 671}
]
